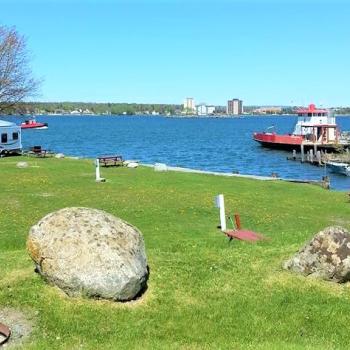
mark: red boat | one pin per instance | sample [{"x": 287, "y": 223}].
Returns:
[
  {"x": 33, "y": 124},
  {"x": 315, "y": 128}
]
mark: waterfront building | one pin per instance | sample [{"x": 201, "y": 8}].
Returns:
[
  {"x": 234, "y": 106},
  {"x": 268, "y": 110},
  {"x": 210, "y": 110},
  {"x": 76, "y": 111},
  {"x": 189, "y": 105},
  {"x": 203, "y": 109}
]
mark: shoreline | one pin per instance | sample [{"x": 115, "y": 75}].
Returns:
[{"x": 323, "y": 183}]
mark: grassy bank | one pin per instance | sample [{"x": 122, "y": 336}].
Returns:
[{"x": 203, "y": 292}]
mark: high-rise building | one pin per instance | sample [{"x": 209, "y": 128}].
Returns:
[
  {"x": 234, "y": 106},
  {"x": 189, "y": 105}
]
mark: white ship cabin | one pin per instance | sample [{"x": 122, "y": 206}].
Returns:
[
  {"x": 316, "y": 125},
  {"x": 10, "y": 138}
]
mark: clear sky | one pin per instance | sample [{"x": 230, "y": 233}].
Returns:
[{"x": 158, "y": 51}]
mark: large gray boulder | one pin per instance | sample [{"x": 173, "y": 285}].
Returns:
[
  {"x": 326, "y": 256},
  {"x": 88, "y": 252}
]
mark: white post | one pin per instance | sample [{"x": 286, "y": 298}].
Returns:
[
  {"x": 220, "y": 203},
  {"x": 98, "y": 176}
]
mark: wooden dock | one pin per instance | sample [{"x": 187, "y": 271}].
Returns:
[{"x": 319, "y": 157}]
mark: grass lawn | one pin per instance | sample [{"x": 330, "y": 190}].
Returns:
[{"x": 204, "y": 293}]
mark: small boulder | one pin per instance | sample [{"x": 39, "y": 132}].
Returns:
[
  {"x": 128, "y": 161},
  {"x": 22, "y": 165},
  {"x": 88, "y": 252},
  {"x": 326, "y": 256},
  {"x": 160, "y": 167},
  {"x": 132, "y": 165},
  {"x": 59, "y": 155}
]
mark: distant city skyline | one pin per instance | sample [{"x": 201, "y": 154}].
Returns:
[{"x": 265, "y": 52}]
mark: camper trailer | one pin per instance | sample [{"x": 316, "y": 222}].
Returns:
[{"x": 10, "y": 138}]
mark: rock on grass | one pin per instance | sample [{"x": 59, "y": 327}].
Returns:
[
  {"x": 88, "y": 252},
  {"x": 326, "y": 256}
]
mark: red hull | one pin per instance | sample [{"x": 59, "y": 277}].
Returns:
[
  {"x": 288, "y": 142},
  {"x": 278, "y": 141},
  {"x": 33, "y": 125}
]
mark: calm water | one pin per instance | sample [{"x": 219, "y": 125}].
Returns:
[{"x": 201, "y": 143}]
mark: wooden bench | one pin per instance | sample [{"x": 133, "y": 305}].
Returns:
[
  {"x": 110, "y": 160},
  {"x": 38, "y": 151}
]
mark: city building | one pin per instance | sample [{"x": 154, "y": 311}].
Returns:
[
  {"x": 189, "y": 105},
  {"x": 203, "y": 109},
  {"x": 234, "y": 106},
  {"x": 268, "y": 110},
  {"x": 210, "y": 110}
]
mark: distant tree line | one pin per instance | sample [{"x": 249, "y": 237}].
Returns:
[
  {"x": 93, "y": 108},
  {"x": 293, "y": 109},
  {"x": 342, "y": 110}
]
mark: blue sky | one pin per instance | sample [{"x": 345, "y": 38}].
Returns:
[{"x": 264, "y": 52}]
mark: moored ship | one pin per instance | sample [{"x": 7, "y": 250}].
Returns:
[{"x": 315, "y": 128}]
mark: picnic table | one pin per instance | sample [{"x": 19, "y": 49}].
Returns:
[
  {"x": 110, "y": 160},
  {"x": 38, "y": 151}
]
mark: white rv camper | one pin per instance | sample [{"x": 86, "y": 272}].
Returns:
[{"x": 10, "y": 138}]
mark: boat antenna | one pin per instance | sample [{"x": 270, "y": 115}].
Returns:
[
  {"x": 270, "y": 127},
  {"x": 330, "y": 115}
]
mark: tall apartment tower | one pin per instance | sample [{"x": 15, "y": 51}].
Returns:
[
  {"x": 234, "y": 106},
  {"x": 189, "y": 105}
]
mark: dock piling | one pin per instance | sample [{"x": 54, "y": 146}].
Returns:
[
  {"x": 319, "y": 158},
  {"x": 326, "y": 182},
  {"x": 311, "y": 154},
  {"x": 302, "y": 152}
]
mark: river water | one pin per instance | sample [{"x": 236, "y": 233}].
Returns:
[{"x": 215, "y": 144}]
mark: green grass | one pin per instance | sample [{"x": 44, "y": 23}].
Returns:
[{"x": 203, "y": 292}]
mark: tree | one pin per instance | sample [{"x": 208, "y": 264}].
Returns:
[{"x": 16, "y": 80}]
